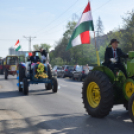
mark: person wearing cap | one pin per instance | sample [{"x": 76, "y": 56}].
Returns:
[{"x": 113, "y": 56}]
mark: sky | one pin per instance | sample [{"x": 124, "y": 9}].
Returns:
[{"x": 46, "y": 19}]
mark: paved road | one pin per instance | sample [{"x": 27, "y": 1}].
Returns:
[{"x": 43, "y": 112}]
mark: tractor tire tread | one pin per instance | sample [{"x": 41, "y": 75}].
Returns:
[{"x": 106, "y": 89}]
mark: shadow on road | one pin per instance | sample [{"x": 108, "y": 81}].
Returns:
[
  {"x": 117, "y": 123},
  {"x": 3, "y": 79},
  {"x": 10, "y": 94},
  {"x": 70, "y": 80},
  {"x": 70, "y": 124},
  {"x": 40, "y": 92}
]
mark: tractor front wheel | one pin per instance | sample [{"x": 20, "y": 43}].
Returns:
[
  {"x": 49, "y": 73},
  {"x": 97, "y": 94},
  {"x": 6, "y": 74},
  {"x": 21, "y": 76},
  {"x": 25, "y": 86},
  {"x": 131, "y": 108},
  {"x": 54, "y": 85},
  {"x": 48, "y": 86}
]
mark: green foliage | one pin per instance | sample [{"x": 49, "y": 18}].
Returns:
[
  {"x": 82, "y": 54},
  {"x": 21, "y": 58},
  {"x": 126, "y": 34},
  {"x": 43, "y": 46},
  {"x": 86, "y": 54},
  {"x": 102, "y": 51},
  {"x": 57, "y": 61},
  {"x": 70, "y": 28}
]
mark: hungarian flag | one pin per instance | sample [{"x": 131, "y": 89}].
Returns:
[
  {"x": 17, "y": 46},
  {"x": 81, "y": 33}
]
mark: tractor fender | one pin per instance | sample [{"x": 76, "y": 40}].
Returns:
[{"x": 106, "y": 71}]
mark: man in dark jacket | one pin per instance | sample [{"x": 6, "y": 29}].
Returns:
[
  {"x": 34, "y": 58},
  {"x": 113, "y": 55},
  {"x": 43, "y": 52}
]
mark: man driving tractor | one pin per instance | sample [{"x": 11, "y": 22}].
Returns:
[{"x": 113, "y": 55}]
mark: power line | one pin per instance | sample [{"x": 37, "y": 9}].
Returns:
[
  {"x": 69, "y": 17},
  {"x": 64, "y": 20},
  {"x": 59, "y": 15},
  {"x": 24, "y": 39},
  {"x": 58, "y": 24},
  {"x": 102, "y": 5},
  {"x": 29, "y": 39}
]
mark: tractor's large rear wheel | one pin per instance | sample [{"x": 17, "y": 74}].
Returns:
[
  {"x": 131, "y": 108},
  {"x": 21, "y": 76},
  {"x": 55, "y": 85},
  {"x": 6, "y": 74},
  {"x": 49, "y": 73},
  {"x": 48, "y": 86},
  {"x": 25, "y": 86},
  {"x": 97, "y": 94}
]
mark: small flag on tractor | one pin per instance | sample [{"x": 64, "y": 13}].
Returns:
[
  {"x": 17, "y": 46},
  {"x": 81, "y": 34}
]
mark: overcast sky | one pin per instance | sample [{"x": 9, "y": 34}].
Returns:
[{"x": 46, "y": 19}]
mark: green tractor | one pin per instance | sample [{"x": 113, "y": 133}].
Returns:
[{"x": 102, "y": 89}]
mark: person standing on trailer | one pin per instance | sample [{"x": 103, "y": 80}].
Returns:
[{"x": 44, "y": 55}]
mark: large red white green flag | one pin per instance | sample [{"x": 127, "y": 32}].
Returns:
[
  {"x": 81, "y": 34},
  {"x": 17, "y": 46}
]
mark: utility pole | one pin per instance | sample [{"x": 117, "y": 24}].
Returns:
[{"x": 29, "y": 39}]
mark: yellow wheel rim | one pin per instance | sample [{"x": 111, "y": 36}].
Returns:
[
  {"x": 93, "y": 95},
  {"x": 129, "y": 89},
  {"x": 133, "y": 108}
]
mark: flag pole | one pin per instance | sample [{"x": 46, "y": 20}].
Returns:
[
  {"x": 97, "y": 52},
  {"x": 82, "y": 54}
]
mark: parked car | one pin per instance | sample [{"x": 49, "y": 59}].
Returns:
[
  {"x": 81, "y": 72},
  {"x": 57, "y": 71},
  {"x": 67, "y": 71}
]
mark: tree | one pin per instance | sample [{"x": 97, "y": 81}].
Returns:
[
  {"x": 99, "y": 27},
  {"x": 43, "y": 46},
  {"x": 60, "y": 49},
  {"x": 82, "y": 54},
  {"x": 70, "y": 28},
  {"x": 36, "y": 47},
  {"x": 99, "y": 32},
  {"x": 125, "y": 34},
  {"x": 57, "y": 61},
  {"x": 128, "y": 32}
]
